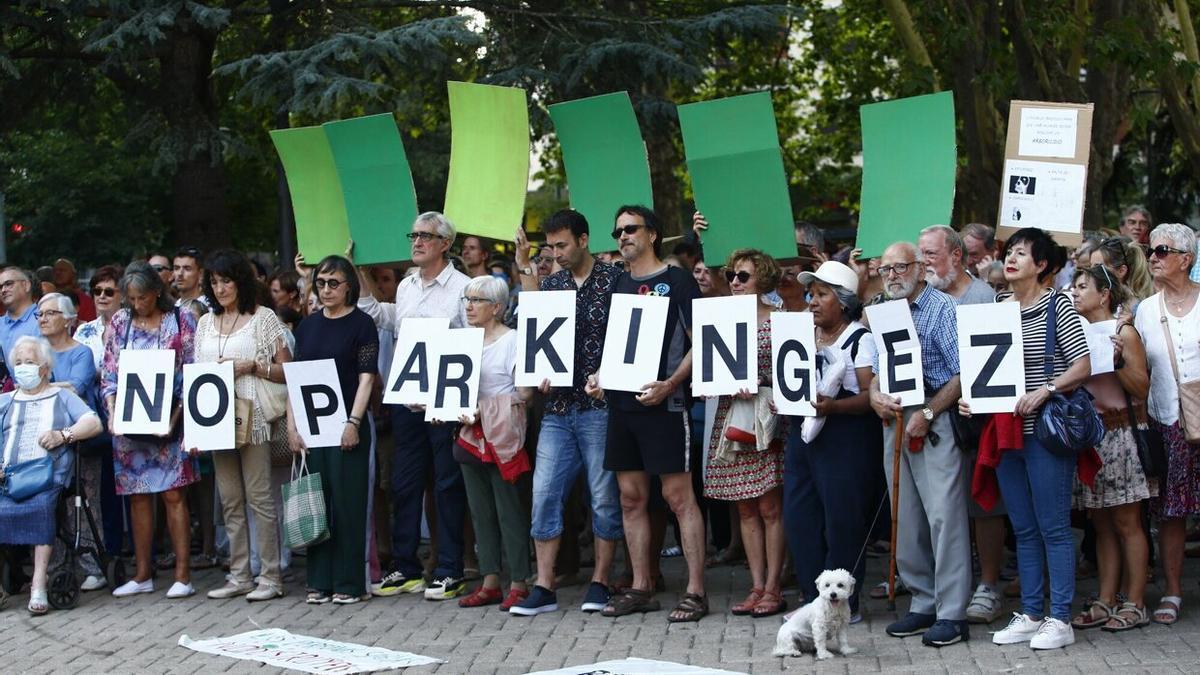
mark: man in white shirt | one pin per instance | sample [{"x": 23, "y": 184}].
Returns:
[{"x": 435, "y": 290}]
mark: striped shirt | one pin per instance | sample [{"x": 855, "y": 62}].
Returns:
[
  {"x": 1070, "y": 343},
  {"x": 936, "y": 321}
]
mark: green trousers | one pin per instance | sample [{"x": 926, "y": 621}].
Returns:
[
  {"x": 499, "y": 520},
  {"x": 339, "y": 564}
]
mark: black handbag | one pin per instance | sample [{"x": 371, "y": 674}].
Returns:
[
  {"x": 1067, "y": 423},
  {"x": 1152, "y": 453}
]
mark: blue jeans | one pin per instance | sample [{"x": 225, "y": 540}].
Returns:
[
  {"x": 567, "y": 444},
  {"x": 419, "y": 444},
  {"x": 1036, "y": 486}
]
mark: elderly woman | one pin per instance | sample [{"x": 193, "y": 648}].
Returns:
[
  {"x": 1035, "y": 483},
  {"x": 38, "y": 420},
  {"x": 742, "y": 473},
  {"x": 161, "y": 466},
  {"x": 491, "y": 451},
  {"x": 1169, "y": 322},
  {"x": 240, "y": 331},
  {"x": 830, "y": 484},
  {"x": 344, "y": 333},
  {"x": 107, "y": 296}
]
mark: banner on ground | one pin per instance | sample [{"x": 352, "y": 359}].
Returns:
[
  {"x": 909, "y": 164},
  {"x": 605, "y": 159},
  {"x": 317, "y": 202},
  {"x": 991, "y": 356},
  {"x": 634, "y": 666},
  {"x": 281, "y": 649},
  {"x": 900, "y": 372},
  {"x": 1045, "y": 169}
]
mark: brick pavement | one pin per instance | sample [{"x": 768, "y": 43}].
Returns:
[{"x": 138, "y": 635}]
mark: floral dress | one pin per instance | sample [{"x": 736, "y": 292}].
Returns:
[
  {"x": 750, "y": 473},
  {"x": 149, "y": 467}
]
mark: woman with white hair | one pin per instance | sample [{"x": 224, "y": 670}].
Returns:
[
  {"x": 1169, "y": 323},
  {"x": 491, "y": 450},
  {"x": 38, "y": 421}
]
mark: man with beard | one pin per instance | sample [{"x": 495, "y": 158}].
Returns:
[
  {"x": 933, "y": 549},
  {"x": 945, "y": 259}
]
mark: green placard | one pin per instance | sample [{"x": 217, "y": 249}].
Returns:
[
  {"x": 489, "y": 159},
  {"x": 736, "y": 166},
  {"x": 605, "y": 158},
  {"x": 909, "y": 160},
  {"x": 381, "y": 203},
  {"x": 317, "y": 201}
]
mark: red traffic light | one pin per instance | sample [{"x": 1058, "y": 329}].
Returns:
[{"x": 17, "y": 228}]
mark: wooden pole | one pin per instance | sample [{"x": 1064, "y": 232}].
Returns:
[{"x": 897, "y": 449}]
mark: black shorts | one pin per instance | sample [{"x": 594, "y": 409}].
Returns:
[{"x": 656, "y": 441}]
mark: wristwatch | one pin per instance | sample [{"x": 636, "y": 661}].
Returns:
[
  {"x": 1051, "y": 388},
  {"x": 527, "y": 271},
  {"x": 927, "y": 414}
]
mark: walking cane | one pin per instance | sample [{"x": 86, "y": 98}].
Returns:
[{"x": 899, "y": 434}]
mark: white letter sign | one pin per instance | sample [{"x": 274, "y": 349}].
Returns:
[
  {"x": 992, "y": 357},
  {"x": 725, "y": 345},
  {"x": 145, "y": 389},
  {"x": 900, "y": 372},
  {"x": 794, "y": 362},
  {"x": 411, "y": 379},
  {"x": 208, "y": 415},
  {"x": 315, "y": 398},
  {"x": 633, "y": 343},
  {"x": 456, "y": 357},
  {"x": 546, "y": 338}
]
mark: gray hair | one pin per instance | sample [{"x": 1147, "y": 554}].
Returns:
[
  {"x": 812, "y": 234},
  {"x": 952, "y": 241},
  {"x": 1180, "y": 235},
  {"x": 489, "y": 287},
  {"x": 1137, "y": 208},
  {"x": 441, "y": 225},
  {"x": 41, "y": 349},
  {"x": 65, "y": 305},
  {"x": 984, "y": 233}
]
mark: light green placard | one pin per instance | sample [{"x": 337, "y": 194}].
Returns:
[
  {"x": 317, "y": 201},
  {"x": 736, "y": 166},
  {"x": 381, "y": 203},
  {"x": 605, "y": 158},
  {"x": 489, "y": 159},
  {"x": 909, "y": 159}
]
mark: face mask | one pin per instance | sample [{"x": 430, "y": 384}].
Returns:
[{"x": 27, "y": 375}]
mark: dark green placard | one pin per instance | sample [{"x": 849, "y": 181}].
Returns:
[{"x": 317, "y": 201}]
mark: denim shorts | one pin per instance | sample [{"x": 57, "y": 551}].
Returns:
[{"x": 567, "y": 444}]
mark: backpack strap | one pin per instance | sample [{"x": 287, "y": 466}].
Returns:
[{"x": 853, "y": 341}]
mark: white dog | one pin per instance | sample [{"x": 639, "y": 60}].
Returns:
[{"x": 821, "y": 622}]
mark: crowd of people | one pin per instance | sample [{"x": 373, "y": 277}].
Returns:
[{"x": 564, "y": 467}]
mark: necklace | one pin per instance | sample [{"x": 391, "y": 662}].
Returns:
[
  {"x": 824, "y": 338},
  {"x": 223, "y": 335}
]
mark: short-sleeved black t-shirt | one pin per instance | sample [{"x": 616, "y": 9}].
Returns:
[
  {"x": 351, "y": 341},
  {"x": 678, "y": 286}
]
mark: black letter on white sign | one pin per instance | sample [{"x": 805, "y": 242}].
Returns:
[
  {"x": 980, "y": 388},
  {"x": 309, "y": 392},
  {"x": 710, "y": 339},
  {"x": 134, "y": 387},
  {"x": 804, "y": 391},
  {"x": 893, "y": 360},
  {"x": 444, "y": 381},
  {"x": 535, "y": 343},
  {"x": 222, "y": 400}
]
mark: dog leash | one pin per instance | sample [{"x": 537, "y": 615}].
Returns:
[{"x": 871, "y": 529}]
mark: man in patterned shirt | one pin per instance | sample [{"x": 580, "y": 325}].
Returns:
[
  {"x": 575, "y": 425},
  {"x": 933, "y": 544}
]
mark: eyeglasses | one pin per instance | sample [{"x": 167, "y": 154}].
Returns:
[
  {"x": 472, "y": 300},
  {"x": 742, "y": 276},
  {"x": 628, "y": 229},
  {"x": 425, "y": 237},
  {"x": 39, "y": 313},
  {"x": 1162, "y": 251},
  {"x": 104, "y": 292},
  {"x": 898, "y": 268},
  {"x": 161, "y": 268},
  {"x": 331, "y": 283}
]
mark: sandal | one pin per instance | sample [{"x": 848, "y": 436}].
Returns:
[
  {"x": 1127, "y": 616},
  {"x": 1168, "y": 610},
  {"x": 692, "y": 607},
  {"x": 482, "y": 596},
  {"x": 38, "y": 603},
  {"x": 629, "y": 602},
  {"x": 771, "y": 604},
  {"x": 1096, "y": 614},
  {"x": 747, "y": 606}
]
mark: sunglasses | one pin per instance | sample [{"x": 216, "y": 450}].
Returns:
[
  {"x": 331, "y": 283},
  {"x": 425, "y": 237},
  {"x": 160, "y": 268},
  {"x": 742, "y": 276},
  {"x": 628, "y": 229},
  {"x": 104, "y": 292},
  {"x": 899, "y": 268},
  {"x": 1162, "y": 251}
]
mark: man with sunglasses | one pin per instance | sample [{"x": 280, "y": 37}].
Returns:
[
  {"x": 187, "y": 271},
  {"x": 435, "y": 290},
  {"x": 648, "y": 431},
  {"x": 933, "y": 547},
  {"x": 162, "y": 266}
]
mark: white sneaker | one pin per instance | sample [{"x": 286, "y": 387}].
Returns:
[
  {"x": 180, "y": 590},
  {"x": 1019, "y": 629},
  {"x": 93, "y": 583},
  {"x": 132, "y": 587},
  {"x": 1053, "y": 634},
  {"x": 985, "y": 605}
]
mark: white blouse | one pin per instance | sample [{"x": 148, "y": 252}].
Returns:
[{"x": 1185, "y": 336}]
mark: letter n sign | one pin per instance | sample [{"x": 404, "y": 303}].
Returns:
[
  {"x": 724, "y": 345},
  {"x": 145, "y": 391}
]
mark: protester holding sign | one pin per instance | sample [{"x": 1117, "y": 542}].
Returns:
[
  {"x": 648, "y": 431},
  {"x": 933, "y": 551},
  {"x": 38, "y": 421},
  {"x": 144, "y": 466},
  {"x": 1035, "y": 482},
  {"x": 250, "y": 336},
  {"x": 831, "y": 483},
  {"x": 749, "y": 471},
  {"x": 435, "y": 291},
  {"x": 1169, "y": 322},
  {"x": 343, "y": 333},
  {"x": 1114, "y": 501}
]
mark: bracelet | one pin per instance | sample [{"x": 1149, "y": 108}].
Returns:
[
  {"x": 352, "y": 421},
  {"x": 269, "y": 370}
]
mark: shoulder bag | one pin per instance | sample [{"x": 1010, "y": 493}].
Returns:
[
  {"x": 26, "y": 479},
  {"x": 1067, "y": 423},
  {"x": 1189, "y": 392}
]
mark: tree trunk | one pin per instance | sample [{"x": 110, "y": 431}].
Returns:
[
  {"x": 978, "y": 185},
  {"x": 902, "y": 21},
  {"x": 1108, "y": 86}
]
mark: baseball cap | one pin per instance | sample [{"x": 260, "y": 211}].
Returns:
[{"x": 833, "y": 273}]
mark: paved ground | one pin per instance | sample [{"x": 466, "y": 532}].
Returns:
[{"x": 138, "y": 635}]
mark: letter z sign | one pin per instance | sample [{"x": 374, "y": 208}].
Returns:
[{"x": 992, "y": 356}]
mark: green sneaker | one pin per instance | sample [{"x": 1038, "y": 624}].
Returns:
[
  {"x": 444, "y": 589},
  {"x": 396, "y": 583}
]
